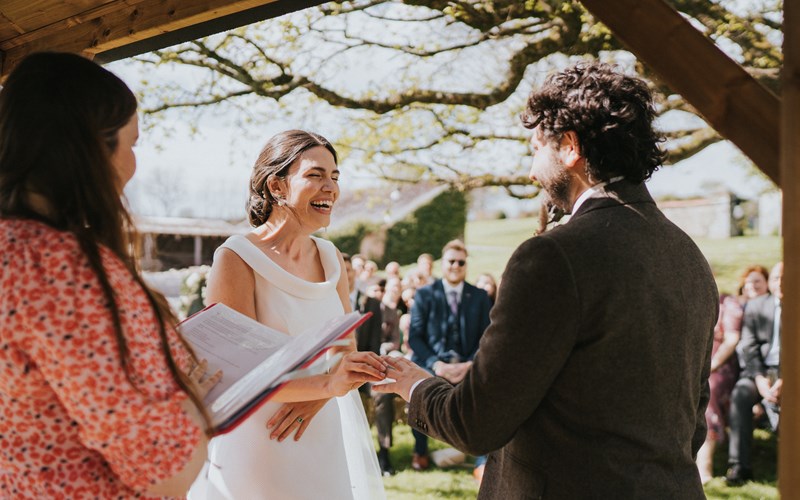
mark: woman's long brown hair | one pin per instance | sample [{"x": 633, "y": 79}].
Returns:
[{"x": 59, "y": 118}]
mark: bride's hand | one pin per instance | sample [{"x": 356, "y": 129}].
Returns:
[
  {"x": 195, "y": 376},
  {"x": 354, "y": 370},
  {"x": 293, "y": 417}
]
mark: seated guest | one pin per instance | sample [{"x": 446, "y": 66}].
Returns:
[
  {"x": 487, "y": 283},
  {"x": 759, "y": 352},
  {"x": 94, "y": 401},
  {"x": 394, "y": 288},
  {"x": 753, "y": 283},
  {"x": 724, "y": 372},
  {"x": 408, "y": 297},
  {"x": 358, "y": 261},
  {"x": 392, "y": 270},
  {"x": 425, "y": 269},
  {"x": 367, "y": 274}
]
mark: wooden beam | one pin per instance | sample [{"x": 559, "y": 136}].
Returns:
[
  {"x": 789, "y": 444},
  {"x": 206, "y": 28},
  {"x": 118, "y": 23},
  {"x": 732, "y": 102}
]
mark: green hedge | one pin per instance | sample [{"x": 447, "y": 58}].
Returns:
[
  {"x": 349, "y": 240},
  {"x": 428, "y": 229}
]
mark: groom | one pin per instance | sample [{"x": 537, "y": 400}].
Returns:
[{"x": 591, "y": 380}]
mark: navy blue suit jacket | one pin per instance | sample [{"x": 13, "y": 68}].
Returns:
[{"x": 428, "y": 333}]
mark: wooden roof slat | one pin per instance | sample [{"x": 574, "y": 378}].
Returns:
[
  {"x": 119, "y": 23},
  {"x": 733, "y": 102},
  {"x": 65, "y": 22},
  {"x": 30, "y": 15}
]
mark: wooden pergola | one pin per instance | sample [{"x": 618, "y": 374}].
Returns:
[{"x": 764, "y": 126}]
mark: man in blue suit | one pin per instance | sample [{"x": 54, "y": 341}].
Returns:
[{"x": 447, "y": 321}]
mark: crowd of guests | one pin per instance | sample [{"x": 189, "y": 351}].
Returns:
[
  {"x": 745, "y": 379},
  {"x": 437, "y": 323}
]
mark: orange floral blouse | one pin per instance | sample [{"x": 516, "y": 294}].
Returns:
[{"x": 71, "y": 424}]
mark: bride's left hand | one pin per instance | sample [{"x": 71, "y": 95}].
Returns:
[{"x": 293, "y": 417}]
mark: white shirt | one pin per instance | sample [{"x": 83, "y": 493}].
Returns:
[
  {"x": 459, "y": 289},
  {"x": 592, "y": 190},
  {"x": 774, "y": 354}
]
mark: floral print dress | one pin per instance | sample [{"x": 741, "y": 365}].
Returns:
[{"x": 72, "y": 425}]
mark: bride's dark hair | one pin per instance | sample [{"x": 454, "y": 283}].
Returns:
[{"x": 275, "y": 159}]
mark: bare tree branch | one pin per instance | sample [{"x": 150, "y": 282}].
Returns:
[
  {"x": 426, "y": 124},
  {"x": 692, "y": 143}
]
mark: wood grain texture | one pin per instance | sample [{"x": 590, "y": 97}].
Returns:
[
  {"x": 734, "y": 103},
  {"x": 789, "y": 445},
  {"x": 106, "y": 25}
]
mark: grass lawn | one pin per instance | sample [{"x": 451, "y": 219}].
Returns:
[
  {"x": 457, "y": 482},
  {"x": 491, "y": 244}
]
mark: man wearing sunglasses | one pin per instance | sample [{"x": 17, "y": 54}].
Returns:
[{"x": 447, "y": 321}]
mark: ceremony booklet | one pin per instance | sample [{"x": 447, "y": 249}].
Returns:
[{"x": 256, "y": 360}]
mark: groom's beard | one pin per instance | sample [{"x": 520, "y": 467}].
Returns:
[{"x": 549, "y": 213}]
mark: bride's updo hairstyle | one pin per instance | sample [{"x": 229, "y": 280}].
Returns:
[{"x": 275, "y": 159}]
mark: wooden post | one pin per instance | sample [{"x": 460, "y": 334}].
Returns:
[
  {"x": 789, "y": 445},
  {"x": 731, "y": 101}
]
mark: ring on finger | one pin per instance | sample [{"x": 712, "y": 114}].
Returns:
[{"x": 299, "y": 420}]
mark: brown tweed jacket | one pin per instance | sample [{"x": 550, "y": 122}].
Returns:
[{"x": 592, "y": 379}]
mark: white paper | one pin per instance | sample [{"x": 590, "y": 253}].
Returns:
[
  {"x": 253, "y": 357},
  {"x": 230, "y": 342}
]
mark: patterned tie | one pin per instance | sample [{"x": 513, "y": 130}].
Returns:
[{"x": 453, "y": 302}]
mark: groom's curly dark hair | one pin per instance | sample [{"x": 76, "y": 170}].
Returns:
[{"x": 611, "y": 113}]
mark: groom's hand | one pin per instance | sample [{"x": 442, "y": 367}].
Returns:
[{"x": 404, "y": 373}]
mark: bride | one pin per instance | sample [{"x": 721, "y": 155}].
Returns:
[{"x": 311, "y": 440}]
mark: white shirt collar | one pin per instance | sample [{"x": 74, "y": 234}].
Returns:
[
  {"x": 459, "y": 289},
  {"x": 592, "y": 190}
]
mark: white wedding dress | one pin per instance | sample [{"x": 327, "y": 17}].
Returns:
[{"x": 335, "y": 458}]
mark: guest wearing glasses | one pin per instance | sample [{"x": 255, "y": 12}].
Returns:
[{"x": 448, "y": 319}]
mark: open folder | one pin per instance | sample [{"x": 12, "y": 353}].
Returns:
[{"x": 256, "y": 360}]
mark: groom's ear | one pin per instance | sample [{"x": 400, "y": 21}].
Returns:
[{"x": 570, "y": 150}]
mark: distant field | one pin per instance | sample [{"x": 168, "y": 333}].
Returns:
[{"x": 491, "y": 243}]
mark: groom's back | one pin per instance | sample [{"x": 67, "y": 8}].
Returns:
[{"x": 624, "y": 415}]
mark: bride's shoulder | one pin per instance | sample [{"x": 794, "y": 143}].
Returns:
[{"x": 327, "y": 247}]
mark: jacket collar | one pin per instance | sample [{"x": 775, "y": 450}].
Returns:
[{"x": 618, "y": 193}]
